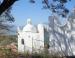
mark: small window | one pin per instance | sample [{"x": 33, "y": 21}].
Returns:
[{"x": 22, "y": 41}]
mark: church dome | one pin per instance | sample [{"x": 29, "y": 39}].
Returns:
[{"x": 29, "y": 27}]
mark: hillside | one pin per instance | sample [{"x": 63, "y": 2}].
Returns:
[{"x": 7, "y": 39}]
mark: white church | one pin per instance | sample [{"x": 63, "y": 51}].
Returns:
[
  {"x": 54, "y": 36},
  {"x": 31, "y": 37}
]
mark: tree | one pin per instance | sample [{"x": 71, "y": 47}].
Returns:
[
  {"x": 6, "y": 4},
  {"x": 55, "y": 6},
  {"x": 6, "y": 17},
  {"x": 5, "y": 21}
]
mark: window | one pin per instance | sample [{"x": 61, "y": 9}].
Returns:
[{"x": 22, "y": 41}]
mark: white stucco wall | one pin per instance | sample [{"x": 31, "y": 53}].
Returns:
[{"x": 33, "y": 38}]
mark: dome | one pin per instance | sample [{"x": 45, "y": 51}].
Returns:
[{"x": 29, "y": 27}]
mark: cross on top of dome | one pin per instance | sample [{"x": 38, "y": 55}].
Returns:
[{"x": 29, "y": 21}]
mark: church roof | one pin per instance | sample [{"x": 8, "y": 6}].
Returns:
[{"x": 29, "y": 27}]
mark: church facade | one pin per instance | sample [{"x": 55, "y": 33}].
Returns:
[{"x": 31, "y": 37}]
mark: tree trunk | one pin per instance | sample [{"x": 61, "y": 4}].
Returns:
[{"x": 6, "y": 4}]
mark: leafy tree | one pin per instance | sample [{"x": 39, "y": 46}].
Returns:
[{"x": 56, "y": 6}]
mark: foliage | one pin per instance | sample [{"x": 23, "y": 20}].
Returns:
[
  {"x": 5, "y": 20},
  {"x": 7, "y": 53},
  {"x": 6, "y": 40},
  {"x": 39, "y": 55},
  {"x": 55, "y": 6},
  {"x": 5, "y": 50}
]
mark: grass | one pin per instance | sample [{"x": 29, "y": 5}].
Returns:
[
  {"x": 7, "y": 39},
  {"x": 6, "y": 52},
  {"x": 4, "y": 41}
]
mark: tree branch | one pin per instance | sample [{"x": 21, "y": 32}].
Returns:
[{"x": 6, "y": 4}]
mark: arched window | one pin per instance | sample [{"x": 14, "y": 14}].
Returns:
[{"x": 22, "y": 41}]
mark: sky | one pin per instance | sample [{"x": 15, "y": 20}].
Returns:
[{"x": 22, "y": 10}]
